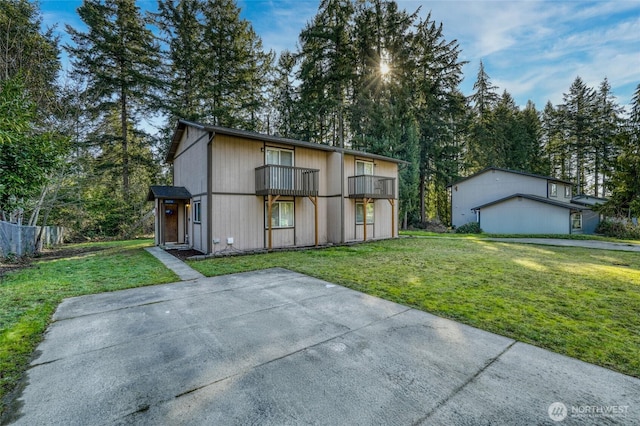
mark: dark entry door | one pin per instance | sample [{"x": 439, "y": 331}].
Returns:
[{"x": 170, "y": 223}]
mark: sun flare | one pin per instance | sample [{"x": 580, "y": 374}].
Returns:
[{"x": 384, "y": 68}]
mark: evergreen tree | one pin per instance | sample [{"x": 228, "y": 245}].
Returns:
[
  {"x": 608, "y": 123},
  {"x": 625, "y": 179},
  {"x": 556, "y": 151},
  {"x": 118, "y": 57},
  {"x": 440, "y": 110},
  {"x": 326, "y": 70},
  {"x": 26, "y": 51},
  {"x": 482, "y": 152},
  {"x": 183, "y": 32},
  {"x": 579, "y": 120},
  {"x": 236, "y": 69},
  {"x": 532, "y": 133},
  {"x": 285, "y": 96}
]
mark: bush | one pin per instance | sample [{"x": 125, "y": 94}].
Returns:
[
  {"x": 469, "y": 228},
  {"x": 619, "y": 229}
]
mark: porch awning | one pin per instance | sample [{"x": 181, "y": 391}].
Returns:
[{"x": 168, "y": 192}]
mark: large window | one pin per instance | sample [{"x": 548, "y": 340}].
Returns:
[
  {"x": 360, "y": 214},
  {"x": 280, "y": 177},
  {"x": 281, "y": 214},
  {"x": 364, "y": 167},
  {"x": 364, "y": 185},
  {"x": 197, "y": 218},
  {"x": 576, "y": 221}
]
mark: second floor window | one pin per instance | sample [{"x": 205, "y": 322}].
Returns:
[
  {"x": 567, "y": 192},
  {"x": 364, "y": 168},
  {"x": 279, "y": 157},
  {"x": 280, "y": 177},
  {"x": 553, "y": 190}
]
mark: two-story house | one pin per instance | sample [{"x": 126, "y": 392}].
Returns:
[
  {"x": 247, "y": 191},
  {"x": 511, "y": 202}
]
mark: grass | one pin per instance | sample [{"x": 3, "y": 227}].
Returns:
[
  {"x": 28, "y": 297},
  {"x": 420, "y": 233},
  {"x": 583, "y": 303}
]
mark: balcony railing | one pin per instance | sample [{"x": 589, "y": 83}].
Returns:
[
  {"x": 286, "y": 180},
  {"x": 369, "y": 186}
]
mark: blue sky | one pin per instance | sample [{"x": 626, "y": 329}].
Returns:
[{"x": 533, "y": 49}]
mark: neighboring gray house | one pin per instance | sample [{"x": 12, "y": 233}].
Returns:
[{"x": 510, "y": 202}]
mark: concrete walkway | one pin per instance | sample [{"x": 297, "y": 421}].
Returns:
[
  {"x": 594, "y": 244},
  {"x": 275, "y": 347},
  {"x": 184, "y": 271}
]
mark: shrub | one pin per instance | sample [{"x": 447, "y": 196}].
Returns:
[
  {"x": 469, "y": 228},
  {"x": 619, "y": 229}
]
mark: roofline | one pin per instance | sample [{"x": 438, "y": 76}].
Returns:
[
  {"x": 548, "y": 178},
  {"x": 532, "y": 198},
  {"x": 177, "y": 135}
]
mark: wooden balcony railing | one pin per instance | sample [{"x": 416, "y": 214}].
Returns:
[
  {"x": 286, "y": 180},
  {"x": 369, "y": 186}
]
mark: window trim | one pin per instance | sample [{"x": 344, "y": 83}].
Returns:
[
  {"x": 279, "y": 150},
  {"x": 267, "y": 220},
  {"x": 373, "y": 213},
  {"x": 197, "y": 212},
  {"x": 577, "y": 215},
  {"x": 364, "y": 162}
]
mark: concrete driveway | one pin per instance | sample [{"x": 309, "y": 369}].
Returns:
[{"x": 277, "y": 347}]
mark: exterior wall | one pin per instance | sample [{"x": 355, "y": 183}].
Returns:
[
  {"x": 334, "y": 219},
  {"x": 237, "y": 212},
  {"x": 561, "y": 192},
  {"x": 590, "y": 221},
  {"x": 190, "y": 162},
  {"x": 240, "y": 217},
  {"x": 487, "y": 187},
  {"x": 381, "y": 228},
  {"x": 523, "y": 216}
]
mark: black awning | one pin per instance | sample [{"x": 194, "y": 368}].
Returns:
[{"x": 168, "y": 192}]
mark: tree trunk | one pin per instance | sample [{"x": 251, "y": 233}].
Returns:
[{"x": 125, "y": 145}]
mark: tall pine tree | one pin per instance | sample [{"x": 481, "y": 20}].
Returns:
[{"x": 118, "y": 58}]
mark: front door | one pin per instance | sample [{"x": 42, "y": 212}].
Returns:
[{"x": 170, "y": 223}]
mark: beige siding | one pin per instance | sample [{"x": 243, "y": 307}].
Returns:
[
  {"x": 190, "y": 163},
  {"x": 234, "y": 164},
  {"x": 236, "y": 212},
  {"x": 305, "y": 221},
  {"x": 382, "y": 208},
  {"x": 240, "y": 217}
]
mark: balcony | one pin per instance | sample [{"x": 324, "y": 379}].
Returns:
[
  {"x": 369, "y": 186},
  {"x": 286, "y": 180}
]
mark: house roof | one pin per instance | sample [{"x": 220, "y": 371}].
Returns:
[
  {"x": 182, "y": 125},
  {"x": 511, "y": 171},
  {"x": 587, "y": 200},
  {"x": 533, "y": 198},
  {"x": 165, "y": 192}
]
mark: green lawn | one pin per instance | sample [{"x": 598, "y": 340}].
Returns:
[
  {"x": 29, "y": 297},
  {"x": 580, "y": 302}
]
